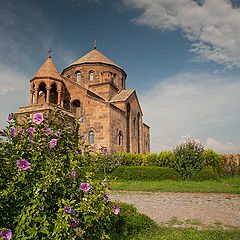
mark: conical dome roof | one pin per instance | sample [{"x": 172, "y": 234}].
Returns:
[
  {"x": 48, "y": 69},
  {"x": 94, "y": 56}
]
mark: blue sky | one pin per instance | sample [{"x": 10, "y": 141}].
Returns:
[{"x": 182, "y": 57}]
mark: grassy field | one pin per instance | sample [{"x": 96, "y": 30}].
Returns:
[
  {"x": 159, "y": 233},
  {"x": 227, "y": 185}
]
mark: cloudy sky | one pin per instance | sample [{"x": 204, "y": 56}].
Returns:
[{"x": 182, "y": 57}]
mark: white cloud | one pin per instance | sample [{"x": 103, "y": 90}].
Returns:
[
  {"x": 212, "y": 26},
  {"x": 194, "y": 104},
  {"x": 221, "y": 147}
]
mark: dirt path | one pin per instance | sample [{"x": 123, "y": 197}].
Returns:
[{"x": 185, "y": 209}]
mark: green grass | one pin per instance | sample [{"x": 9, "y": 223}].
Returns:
[
  {"x": 161, "y": 233},
  {"x": 132, "y": 225},
  {"x": 226, "y": 185}
]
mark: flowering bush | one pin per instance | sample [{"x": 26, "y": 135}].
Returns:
[
  {"x": 42, "y": 195},
  {"x": 188, "y": 158}
]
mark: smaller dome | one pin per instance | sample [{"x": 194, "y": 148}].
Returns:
[{"x": 48, "y": 69}]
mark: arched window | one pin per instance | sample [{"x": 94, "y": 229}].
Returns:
[
  {"x": 120, "y": 138},
  {"x": 114, "y": 78},
  {"x": 76, "y": 107},
  {"x": 91, "y": 137},
  {"x": 134, "y": 126},
  {"x": 53, "y": 94},
  {"x": 91, "y": 77},
  {"x": 42, "y": 93},
  {"x": 79, "y": 76}
]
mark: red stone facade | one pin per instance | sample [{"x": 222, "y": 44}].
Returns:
[{"x": 92, "y": 89}]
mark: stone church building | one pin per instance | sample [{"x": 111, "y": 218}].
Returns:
[{"x": 93, "y": 90}]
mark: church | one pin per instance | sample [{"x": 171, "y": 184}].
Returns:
[{"x": 92, "y": 89}]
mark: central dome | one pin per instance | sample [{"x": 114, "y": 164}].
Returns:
[{"x": 94, "y": 56}]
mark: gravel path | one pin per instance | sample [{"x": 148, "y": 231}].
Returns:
[{"x": 185, "y": 209}]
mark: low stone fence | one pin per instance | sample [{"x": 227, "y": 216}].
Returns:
[{"x": 232, "y": 163}]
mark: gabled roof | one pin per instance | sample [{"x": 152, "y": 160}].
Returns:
[
  {"x": 94, "y": 56},
  {"x": 122, "y": 96},
  {"x": 48, "y": 69}
]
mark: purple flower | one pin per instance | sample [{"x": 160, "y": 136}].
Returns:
[
  {"x": 67, "y": 209},
  {"x": 6, "y": 234},
  {"x": 38, "y": 118},
  {"x": 79, "y": 152},
  {"x": 73, "y": 212},
  {"x": 13, "y": 131},
  {"x": 53, "y": 143},
  {"x": 104, "y": 150},
  {"x": 31, "y": 130},
  {"x": 23, "y": 164},
  {"x": 57, "y": 134},
  {"x": 105, "y": 197},
  {"x": 10, "y": 116},
  {"x": 74, "y": 175},
  {"x": 21, "y": 131},
  {"x": 48, "y": 131},
  {"x": 85, "y": 187},
  {"x": 72, "y": 223},
  {"x": 116, "y": 210}
]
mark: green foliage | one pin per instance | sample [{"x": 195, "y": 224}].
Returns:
[
  {"x": 163, "y": 159},
  {"x": 145, "y": 173},
  {"x": 215, "y": 161},
  {"x": 130, "y": 223},
  {"x": 33, "y": 200},
  {"x": 207, "y": 173},
  {"x": 188, "y": 158}
]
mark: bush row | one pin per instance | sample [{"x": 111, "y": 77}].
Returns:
[{"x": 145, "y": 173}]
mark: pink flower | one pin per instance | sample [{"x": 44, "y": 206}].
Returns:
[
  {"x": 10, "y": 116},
  {"x": 104, "y": 150},
  {"x": 53, "y": 143},
  {"x": 6, "y": 234},
  {"x": 85, "y": 187},
  {"x": 48, "y": 131},
  {"x": 21, "y": 131},
  {"x": 13, "y": 131},
  {"x": 116, "y": 210},
  {"x": 72, "y": 223},
  {"x": 38, "y": 118},
  {"x": 23, "y": 164}
]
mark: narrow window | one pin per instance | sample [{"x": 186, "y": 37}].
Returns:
[
  {"x": 79, "y": 76},
  {"x": 91, "y": 76},
  {"x": 114, "y": 78},
  {"x": 120, "y": 138},
  {"x": 91, "y": 137}
]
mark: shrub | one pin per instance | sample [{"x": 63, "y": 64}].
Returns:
[
  {"x": 145, "y": 173},
  {"x": 188, "y": 158},
  {"x": 130, "y": 222},
  {"x": 163, "y": 159},
  {"x": 43, "y": 193},
  {"x": 215, "y": 161},
  {"x": 206, "y": 173}
]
